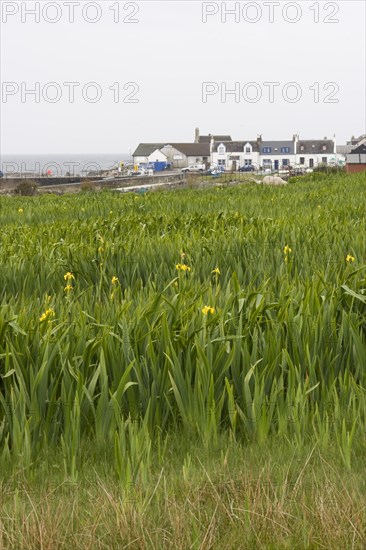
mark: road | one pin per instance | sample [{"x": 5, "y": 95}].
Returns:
[{"x": 146, "y": 186}]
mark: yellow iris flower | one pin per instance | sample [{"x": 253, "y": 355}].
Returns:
[
  {"x": 47, "y": 315},
  {"x": 69, "y": 276},
  {"x": 183, "y": 267}
]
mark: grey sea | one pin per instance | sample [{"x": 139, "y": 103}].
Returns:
[{"x": 60, "y": 164}]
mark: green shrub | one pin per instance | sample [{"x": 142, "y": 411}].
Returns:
[
  {"x": 325, "y": 168},
  {"x": 26, "y": 188},
  {"x": 87, "y": 186}
]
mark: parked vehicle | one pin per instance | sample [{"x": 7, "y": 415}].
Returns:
[
  {"x": 297, "y": 171},
  {"x": 146, "y": 165},
  {"x": 218, "y": 168},
  {"x": 142, "y": 171},
  {"x": 195, "y": 168},
  {"x": 212, "y": 172},
  {"x": 247, "y": 168},
  {"x": 1, "y": 174},
  {"x": 134, "y": 173},
  {"x": 156, "y": 166}
]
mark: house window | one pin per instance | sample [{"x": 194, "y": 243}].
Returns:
[
  {"x": 324, "y": 160},
  {"x": 324, "y": 147},
  {"x": 285, "y": 162},
  {"x": 221, "y": 150},
  {"x": 221, "y": 162},
  {"x": 247, "y": 150},
  {"x": 266, "y": 149},
  {"x": 302, "y": 149},
  {"x": 285, "y": 149},
  {"x": 248, "y": 162},
  {"x": 302, "y": 160},
  {"x": 267, "y": 162},
  {"x": 311, "y": 163}
]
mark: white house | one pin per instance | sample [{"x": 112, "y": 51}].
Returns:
[
  {"x": 221, "y": 150},
  {"x": 234, "y": 154},
  {"x": 149, "y": 152},
  {"x": 312, "y": 152},
  {"x": 184, "y": 154},
  {"x": 157, "y": 156},
  {"x": 277, "y": 155},
  {"x": 179, "y": 154}
]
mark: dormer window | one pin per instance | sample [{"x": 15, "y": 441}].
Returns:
[
  {"x": 302, "y": 148},
  {"x": 285, "y": 149},
  {"x": 221, "y": 149},
  {"x": 324, "y": 147},
  {"x": 248, "y": 149},
  {"x": 266, "y": 149}
]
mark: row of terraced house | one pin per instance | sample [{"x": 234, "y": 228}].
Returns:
[{"x": 222, "y": 150}]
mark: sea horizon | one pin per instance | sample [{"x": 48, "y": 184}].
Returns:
[{"x": 59, "y": 164}]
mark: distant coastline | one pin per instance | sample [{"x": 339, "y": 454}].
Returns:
[{"x": 60, "y": 164}]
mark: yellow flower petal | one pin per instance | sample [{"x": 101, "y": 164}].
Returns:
[{"x": 47, "y": 315}]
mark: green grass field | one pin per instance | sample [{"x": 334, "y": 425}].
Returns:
[{"x": 185, "y": 369}]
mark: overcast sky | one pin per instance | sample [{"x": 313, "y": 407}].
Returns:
[{"x": 182, "y": 69}]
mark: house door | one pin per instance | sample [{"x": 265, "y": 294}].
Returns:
[
  {"x": 276, "y": 164},
  {"x": 234, "y": 165},
  {"x": 311, "y": 163}
]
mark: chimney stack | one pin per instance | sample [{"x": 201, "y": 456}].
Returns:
[{"x": 197, "y": 135}]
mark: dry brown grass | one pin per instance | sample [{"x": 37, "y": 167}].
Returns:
[{"x": 244, "y": 511}]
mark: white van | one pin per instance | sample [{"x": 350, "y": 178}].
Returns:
[{"x": 195, "y": 168}]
